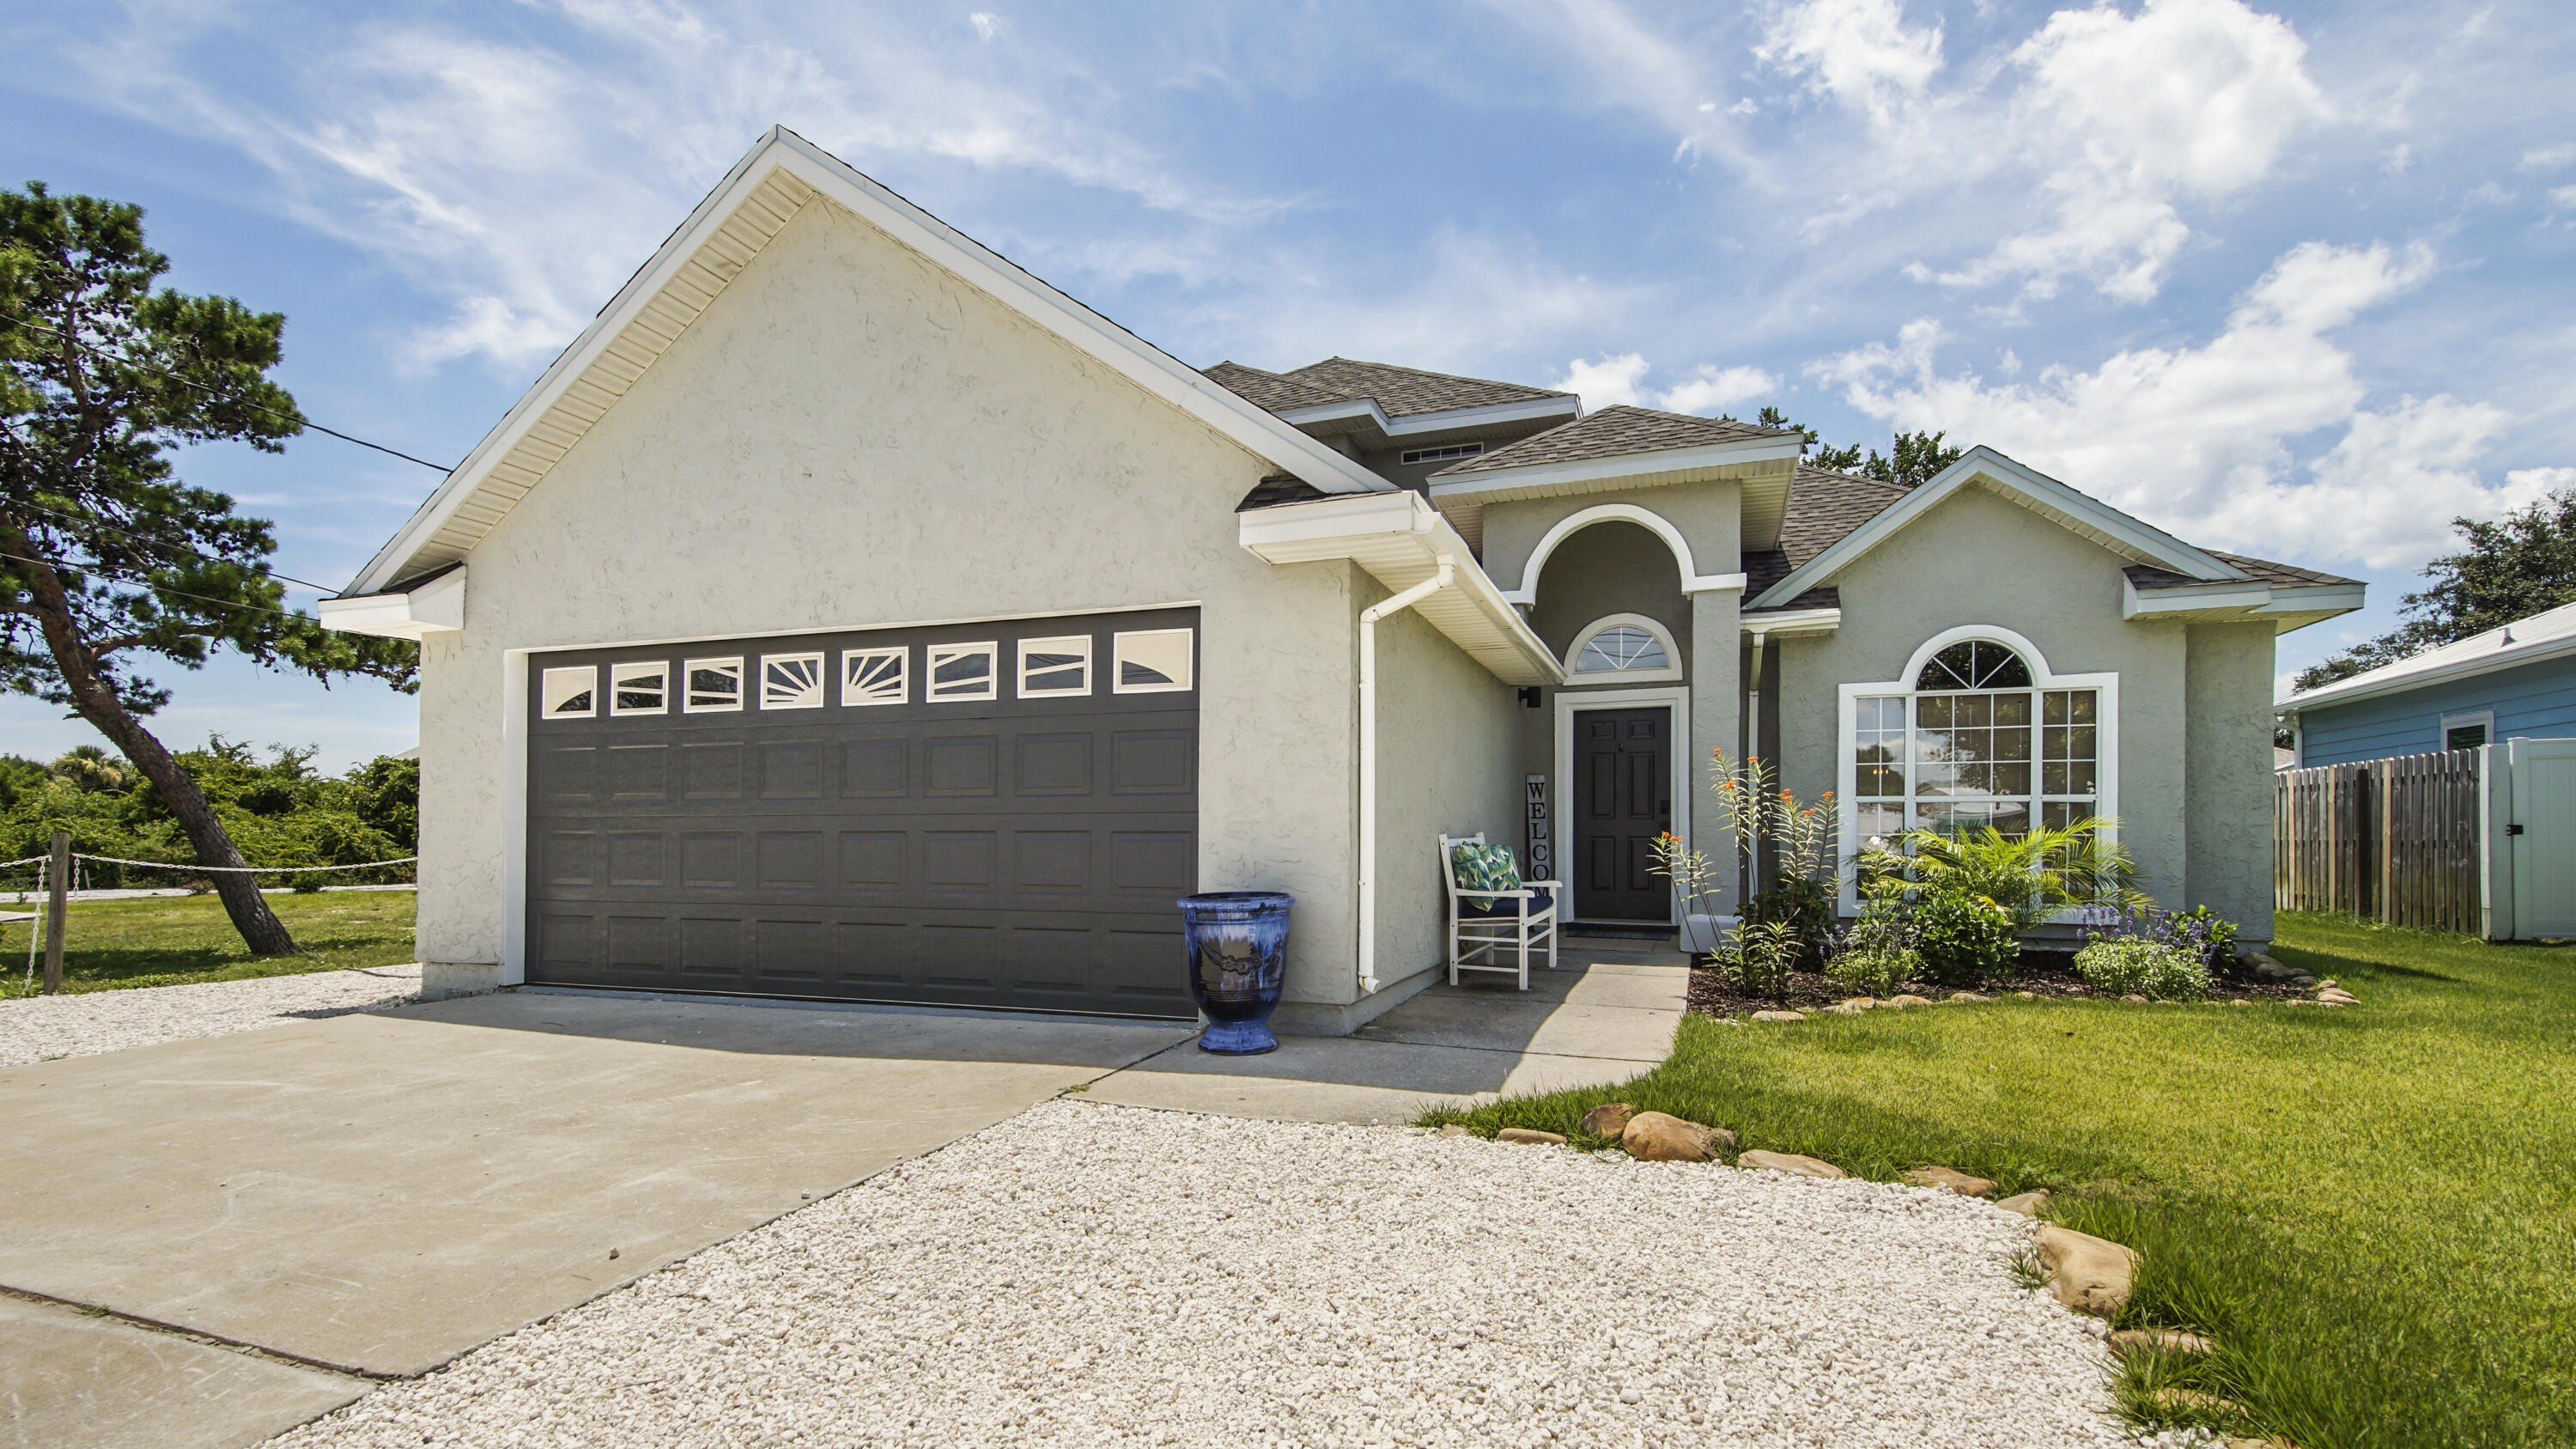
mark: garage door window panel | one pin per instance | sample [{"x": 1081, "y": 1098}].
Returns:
[
  {"x": 876, "y": 676},
  {"x": 1055, "y": 668},
  {"x": 963, "y": 671},
  {"x": 1154, "y": 661},
  {"x": 715, "y": 686},
  {"x": 639, "y": 688},
  {"x": 571, "y": 692},
  {"x": 791, "y": 681}
]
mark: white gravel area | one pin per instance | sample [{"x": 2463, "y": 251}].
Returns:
[
  {"x": 1091, "y": 1274},
  {"x": 41, "y": 1028}
]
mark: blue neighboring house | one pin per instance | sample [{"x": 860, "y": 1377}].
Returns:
[{"x": 2517, "y": 682}]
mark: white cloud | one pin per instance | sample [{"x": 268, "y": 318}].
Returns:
[
  {"x": 1604, "y": 381},
  {"x": 1858, "y": 51},
  {"x": 2547, "y": 158},
  {"x": 987, "y": 24},
  {"x": 2201, "y": 440},
  {"x": 2126, "y": 115},
  {"x": 521, "y": 174}
]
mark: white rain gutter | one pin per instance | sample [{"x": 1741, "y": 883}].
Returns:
[
  {"x": 1368, "y": 745},
  {"x": 1750, "y": 884}
]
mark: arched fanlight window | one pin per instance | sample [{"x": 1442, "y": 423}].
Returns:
[
  {"x": 1630, "y": 648},
  {"x": 1619, "y": 649},
  {"x": 1974, "y": 664}
]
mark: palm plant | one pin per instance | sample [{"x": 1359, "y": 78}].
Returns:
[{"x": 2029, "y": 876}]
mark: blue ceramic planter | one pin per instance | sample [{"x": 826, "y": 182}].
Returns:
[{"x": 1238, "y": 949}]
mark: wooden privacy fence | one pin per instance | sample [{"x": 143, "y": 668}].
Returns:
[{"x": 2395, "y": 840}]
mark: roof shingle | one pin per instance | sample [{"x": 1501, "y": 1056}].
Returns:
[
  {"x": 1266, "y": 389},
  {"x": 2150, "y": 577},
  {"x": 1403, "y": 391},
  {"x": 1614, "y": 432}
]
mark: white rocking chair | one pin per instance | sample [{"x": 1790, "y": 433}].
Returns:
[{"x": 1471, "y": 937}]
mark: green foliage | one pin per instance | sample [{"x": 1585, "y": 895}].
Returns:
[
  {"x": 2245, "y": 1153},
  {"x": 1965, "y": 941},
  {"x": 2510, "y": 569},
  {"x": 2029, "y": 877},
  {"x": 1804, "y": 905},
  {"x": 279, "y": 810},
  {"x": 1758, "y": 961},
  {"x": 1875, "y": 969},
  {"x": 101, "y": 379},
  {"x": 1913, "y": 457},
  {"x": 2130, "y": 965}
]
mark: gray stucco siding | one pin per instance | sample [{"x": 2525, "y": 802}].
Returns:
[
  {"x": 1709, "y": 517},
  {"x": 2228, "y": 808},
  {"x": 1979, "y": 559},
  {"x": 850, "y": 437},
  {"x": 2531, "y": 701}
]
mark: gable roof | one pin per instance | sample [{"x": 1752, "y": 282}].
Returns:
[
  {"x": 1823, "y": 507},
  {"x": 1268, "y": 389},
  {"x": 775, "y": 179},
  {"x": 1982, "y": 466},
  {"x": 1407, "y": 391},
  {"x": 2549, "y": 634},
  {"x": 1617, "y": 431}
]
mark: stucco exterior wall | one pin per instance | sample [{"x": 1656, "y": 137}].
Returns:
[
  {"x": 1445, "y": 767},
  {"x": 2228, "y": 756},
  {"x": 1979, "y": 558},
  {"x": 1710, "y": 517},
  {"x": 849, "y": 436}
]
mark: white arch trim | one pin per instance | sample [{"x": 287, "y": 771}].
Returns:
[
  {"x": 1693, "y": 581},
  {"x": 1990, "y": 633},
  {"x": 1671, "y": 673}
]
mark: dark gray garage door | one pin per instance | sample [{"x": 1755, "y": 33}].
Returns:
[{"x": 985, "y": 814}]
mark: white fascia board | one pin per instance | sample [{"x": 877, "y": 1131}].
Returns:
[
  {"x": 1366, "y": 409},
  {"x": 2397, "y": 679},
  {"x": 2035, "y": 490},
  {"x": 1672, "y": 465},
  {"x": 1792, "y": 622},
  {"x": 1258, "y": 430},
  {"x": 2252, "y": 601},
  {"x": 1400, "y": 539},
  {"x": 435, "y": 607}
]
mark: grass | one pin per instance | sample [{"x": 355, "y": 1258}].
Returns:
[
  {"x": 173, "y": 940},
  {"x": 2372, "y": 1210}
]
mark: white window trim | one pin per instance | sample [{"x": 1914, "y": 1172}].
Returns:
[
  {"x": 1117, "y": 661},
  {"x": 937, "y": 654},
  {"x": 546, "y": 691},
  {"x": 2450, "y": 722},
  {"x": 688, "y": 701},
  {"x": 822, "y": 663},
  {"x": 617, "y": 683},
  {"x": 1562, "y": 791},
  {"x": 1669, "y": 674},
  {"x": 901, "y": 654},
  {"x": 2106, "y": 740},
  {"x": 1059, "y": 644}
]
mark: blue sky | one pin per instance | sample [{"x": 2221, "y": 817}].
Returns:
[{"x": 2291, "y": 281}]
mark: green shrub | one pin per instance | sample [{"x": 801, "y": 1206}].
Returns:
[
  {"x": 1964, "y": 940},
  {"x": 2135, "y": 966},
  {"x": 1876, "y": 969},
  {"x": 1758, "y": 961}
]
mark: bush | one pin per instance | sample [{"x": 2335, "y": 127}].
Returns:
[
  {"x": 2200, "y": 932},
  {"x": 1875, "y": 970},
  {"x": 2136, "y": 966},
  {"x": 1760, "y": 958},
  {"x": 1806, "y": 908},
  {"x": 1964, "y": 940}
]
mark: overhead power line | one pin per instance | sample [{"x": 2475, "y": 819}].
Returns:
[
  {"x": 301, "y": 422},
  {"x": 146, "y": 581},
  {"x": 327, "y": 589}
]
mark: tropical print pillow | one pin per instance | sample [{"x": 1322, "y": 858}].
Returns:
[{"x": 1484, "y": 867}]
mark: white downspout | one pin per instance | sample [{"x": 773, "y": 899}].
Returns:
[
  {"x": 1368, "y": 749},
  {"x": 1751, "y": 883}
]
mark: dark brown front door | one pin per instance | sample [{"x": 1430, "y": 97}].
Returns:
[{"x": 1623, "y": 799}]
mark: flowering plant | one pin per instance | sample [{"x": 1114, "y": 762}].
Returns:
[{"x": 2199, "y": 933}]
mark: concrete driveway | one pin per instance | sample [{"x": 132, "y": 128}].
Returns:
[{"x": 375, "y": 1194}]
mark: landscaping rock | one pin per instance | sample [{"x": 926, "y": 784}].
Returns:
[
  {"x": 2027, "y": 995},
  {"x": 2238, "y": 1001},
  {"x": 2175, "y": 1400},
  {"x": 1967, "y": 996},
  {"x": 1909, "y": 1000},
  {"x": 2027, "y": 1204},
  {"x": 2161, "y": 1340},
  {"x": 1663, "y": 1137},
  {"x": 1609, "y": 1119},
  {"x": 1858, "y": 1003},
  {"x": 1788, "y": 1162},
  {"x": 1843, "y": 1008},
  {"x": 1456, "y": 1129},
  {"x": 2133, "y": 996},
  {"x": 2088, "y": 1274},
  {"x": 1956, "y": 1181},
  {"x": 1779, "y": 1016},
  {"x": 2338, "y": 996},
  {"x": 2262, "y": 964},
  {"x": 1530, "y": 1136}
]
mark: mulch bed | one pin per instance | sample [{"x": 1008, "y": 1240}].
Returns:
[{"x": 2043, "y": 973}]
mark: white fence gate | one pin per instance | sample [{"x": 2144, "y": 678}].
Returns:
[{"x": 2542, "y": 837}]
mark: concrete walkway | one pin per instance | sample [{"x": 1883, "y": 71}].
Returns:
[{"x": 1606, "y": 1014}]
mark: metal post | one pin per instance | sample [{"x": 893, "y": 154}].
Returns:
[{"x": 57, "y": 905}]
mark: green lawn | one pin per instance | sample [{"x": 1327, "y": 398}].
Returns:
[
  {"x": 2372, "y": 1209},
  {"x": 168, "y": 940}
]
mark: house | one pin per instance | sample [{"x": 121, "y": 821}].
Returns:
[
  {"x": 2515, "y": 682},
  {"x": 848, "y": 614}
]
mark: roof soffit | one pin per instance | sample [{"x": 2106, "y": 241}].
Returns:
[{"x": 727, "y": 230}]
